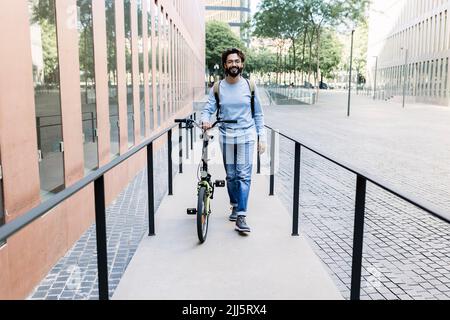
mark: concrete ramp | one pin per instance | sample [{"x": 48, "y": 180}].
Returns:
[{"x": 267, "y": 264}]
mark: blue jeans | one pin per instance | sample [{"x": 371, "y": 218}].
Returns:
[{"x": 238, "y": 160}]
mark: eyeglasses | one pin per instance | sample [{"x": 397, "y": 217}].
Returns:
[{"x": 237, "y": 61}]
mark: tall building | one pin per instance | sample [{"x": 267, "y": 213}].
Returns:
[
  {"x": 234, "y": 12},
  {"x": 82, "y": 82},
  {"x": 408, "y": 50}
]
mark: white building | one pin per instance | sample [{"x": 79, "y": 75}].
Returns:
[
  {"x": 234, "y": 12},
  {"x": 409, "y": 47}
]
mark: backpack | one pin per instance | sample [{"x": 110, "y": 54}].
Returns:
[{"x": 251, "y": 85}]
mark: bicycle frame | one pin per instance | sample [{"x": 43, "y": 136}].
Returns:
[
  {"x": 204, "y": 198},
  {"x": 205, "y": 176}
]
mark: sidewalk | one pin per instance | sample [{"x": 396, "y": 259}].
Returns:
[
  {"x": 406, "y": 251},
  {"x": 267, "y": 264}
]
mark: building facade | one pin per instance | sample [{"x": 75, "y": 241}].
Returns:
[
  {"x": 82, "y": 82},
  {"x": 409, "y": 50},
  {"x": 234, "y": 12}
]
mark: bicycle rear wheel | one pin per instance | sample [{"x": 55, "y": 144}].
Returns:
[{"x": 202, "y": 215}]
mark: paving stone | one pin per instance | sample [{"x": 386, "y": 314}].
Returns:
[
  {"x": 126, "y": 224},
  {"x": 397, "y": 235}
]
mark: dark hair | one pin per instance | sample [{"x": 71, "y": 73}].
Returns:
[{"x": 229, "y": 51}]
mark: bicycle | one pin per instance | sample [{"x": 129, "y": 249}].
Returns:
[{"x": 205, "y": 186}]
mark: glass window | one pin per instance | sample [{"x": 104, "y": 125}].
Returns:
[
  {"x": 44, "y": 49},
  {"x": 87, "y": 84},
  {"x": 150, "y": 61},
  {"x": 172, "y": 70},
  {"x": 446, "y": 77},
  {"x": 2, "y": 207},
  {"x": 175, "y": 68},
  {"x": 167, "y": 57},
  {"x": 129, "y": 73},
  {"x": 163, "y": 37},
  {"x": 158, "y": 63},
  {"x": 114, "y": 135},
  {"x": 430, "y": 75},
  {"x": 169, "y": 66},
  {"x": 441, "y": 77},
  {"x": 141, "y": 69},
  {"x": 178, "y": 70}
]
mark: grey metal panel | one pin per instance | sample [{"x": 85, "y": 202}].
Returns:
[{"x": 227, "y": 8}]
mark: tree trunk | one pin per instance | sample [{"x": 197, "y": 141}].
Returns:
[
  {"x": 294, "y": 65},
  {"x": 303, "y": 54},
  {"x": 318, "y": 61},
  {"x": 310, "y": 58},
  {"x": 278, "y": 65}
]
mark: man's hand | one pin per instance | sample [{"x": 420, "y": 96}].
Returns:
[
  {"x": 206, "y": 125},
  {"x": 261, "y": 147}
]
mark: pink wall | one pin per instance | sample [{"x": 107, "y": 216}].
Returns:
[{"x": 29, "y": 254}]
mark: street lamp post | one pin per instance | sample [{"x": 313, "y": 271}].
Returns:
[
  {"x": 405, "y": 75},
  {"x": 375, "y": 78},
  {"x": 350, "y": 75}
]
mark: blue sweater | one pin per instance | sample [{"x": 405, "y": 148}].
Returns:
[{"x": 235, "y": 105}]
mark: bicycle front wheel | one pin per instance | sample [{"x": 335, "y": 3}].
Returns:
[{"x": 202, "y": 215}]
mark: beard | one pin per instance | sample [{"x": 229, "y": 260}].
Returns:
[{"x": 233, "y": 71}]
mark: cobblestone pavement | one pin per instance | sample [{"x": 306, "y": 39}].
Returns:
[
  {"x": 406, "y": 251},
  {"x": 75, "y": 276}
]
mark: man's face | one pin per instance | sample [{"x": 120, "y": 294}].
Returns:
[{"x": 233, "y": 65}]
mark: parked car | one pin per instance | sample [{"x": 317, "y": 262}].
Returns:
[
  {"x": 307, "y": 85},
  {"x": 323, "y": 85}
]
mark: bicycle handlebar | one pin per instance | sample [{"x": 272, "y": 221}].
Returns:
[
  {"x": 228, "y": 121},
  {"x": 190, "y": 121}
]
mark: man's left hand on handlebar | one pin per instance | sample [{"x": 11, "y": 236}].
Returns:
[{"x": 206, "y": 125}]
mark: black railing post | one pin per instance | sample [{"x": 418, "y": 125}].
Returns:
[
  {"x": 258, "y": 159},
  {"x": 296, "y": 189},
  {"x": 100, "y": 227},
  {"x": 38, "y": 127},
  {"x": 187, "y": 143},
  {"x": 358, "y": 235},
  {"x": 195, "y": 128},
  {"x": 180, "y": 147},
  {"x": 192, "y": 133},
  {"x": 150, "y": 190},
  {"x": 93, "y": 127},
  {"x": 169, "y": 161},
  {"x": 272, "y": 163}
]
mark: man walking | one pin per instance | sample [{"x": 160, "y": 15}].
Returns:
[{"x": 236, "y": 98}]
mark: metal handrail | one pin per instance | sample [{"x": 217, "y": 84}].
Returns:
[
  {"x": 424, "y": 205},
  {"x": 360, "y": 200},
  {"x": 97, "y": 177}
]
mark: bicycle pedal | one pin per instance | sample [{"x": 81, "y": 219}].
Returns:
[
  {"x": 191, "y": 211},
  {"x": 219, "y": 183}
]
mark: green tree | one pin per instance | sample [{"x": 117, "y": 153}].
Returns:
[
  {"x": 283, "y": 20},
  {"x": 219, "y": 37},
  {"x": 43, "y": 15},
  {"x": 360, "y": 60},
  {"x": 262, "y": 62},
  {"x": 332, "y": 13},
  {"x": 330, "y": 53},
  {"x": 302, "y": 22}
]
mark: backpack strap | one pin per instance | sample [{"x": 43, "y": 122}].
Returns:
[
  {"x": 216, "y": 95},
  {"x": 251, "y": 85}
]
